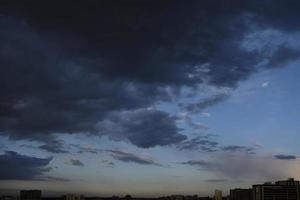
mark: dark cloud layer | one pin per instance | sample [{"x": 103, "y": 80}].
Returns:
[
  {"x": 74, "y": 67},
  {"x": 14, "y": 166}
]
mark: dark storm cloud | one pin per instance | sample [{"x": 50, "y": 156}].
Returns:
[
  {"x": 131, "y": 158},
  {"x": 143, "y": 127},
  {"x": 44, "y": 95},
  {"x": 69, "y": 67},
  {"x": 285, "y": 157},
  {"x": 76, "y": 162},
  {"x": 278, "y": 14},
  {"x": 14, "y": 166}
]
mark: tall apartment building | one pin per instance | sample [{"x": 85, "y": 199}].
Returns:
[
  {"x": 30, "y": 195},
  {"x": 218, "y": 195},
  {"x": 280, "y": 190}
]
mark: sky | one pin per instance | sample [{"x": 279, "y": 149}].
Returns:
[{"x": 148, "y": 98}]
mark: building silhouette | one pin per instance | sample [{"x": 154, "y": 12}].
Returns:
[
  {"x": 30, "y": 195},
  {"x": 6, "y": 197},
  {"x": 177, "y": 197},
  {"x": 240, "y": 194},
  {"x": 280, "y": 190},
  {"x": 204, "y": 198}
]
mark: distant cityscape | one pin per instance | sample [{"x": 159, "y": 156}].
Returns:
[{"x": 280, "y": 190}]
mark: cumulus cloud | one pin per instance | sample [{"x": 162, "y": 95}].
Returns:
[
  {"x": 14, "y": 166},
  {"x": 131, "y": 158},
  {"x": 143, "y": 127}
]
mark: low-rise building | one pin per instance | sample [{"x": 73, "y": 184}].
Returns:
[
  {"x": 241, "y": 194},
  {"x": 72, "y": 197},
  {"x": 30, "y": 195}
]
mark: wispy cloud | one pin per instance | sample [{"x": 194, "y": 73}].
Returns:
[
  {"x": 54, "y": 146},
  {"x": 206, "y": 103},
  {"x": 216, "y": 180},
  {"x": 265, "y": 84},
  {"x": 132, "y": 158},
  {"x": 205, "y": 143},
  {"x": 74, "y": 162},
  {"x": 208, "y": 143},
  {"x": 85, "y": 149},
  {"x": 184, "y": 117},
  {"x": 245, "y": 166},
  {"x": 108, "y": 163},
  {"x": 206, "y": 114},
  {"x": 207, "y": 165},
  {"x": 285, "y": 157},
  {"x": 237, "y": 148}
]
